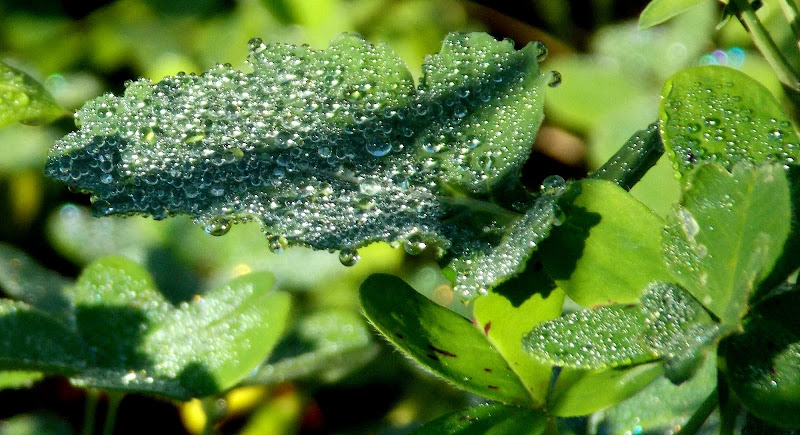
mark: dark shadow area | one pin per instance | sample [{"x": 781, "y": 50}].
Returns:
[
  {"x": 533, "y": 280},
  {"x": 561, "y": 251}
]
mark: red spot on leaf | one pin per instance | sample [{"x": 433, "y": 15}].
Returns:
[
  {"x": 486, "y": 327},
  {"x": 441, "y": 351},
  {"x": 493, "y": 387}
]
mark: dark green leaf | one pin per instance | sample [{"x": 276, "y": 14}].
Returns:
[
  {"x": 727, "y": 234},
  {"x": 496, "y": 419},
  {"x": 605, "y": 337},
  {"x": 23, "y": 99},
  {"x": 333, "y": 149},
  {"x": 510, "y": 311},
  {"x": 25, "y": 280},
  {"x": 328, "y": 345},
  {"x": 607, "y": 249},
  {"x": 440, "y": 340},
  {"x": 659, "y": 11}
]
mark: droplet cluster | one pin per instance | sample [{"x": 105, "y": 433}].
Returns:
[{"x": 330, "y": 148}]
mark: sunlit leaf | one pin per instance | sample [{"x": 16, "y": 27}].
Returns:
[
  {"x": 727, "y": 234},
  {"x": 23, "y": 99},
  {"x": 333, "y": 149},
  {"x": 440, "y": 340},
  {"x": 658, "y": 11}
]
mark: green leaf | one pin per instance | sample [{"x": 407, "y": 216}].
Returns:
[
  {"x": 510, "y": 311},
  {"x": 141, "y": 343},
  {"x": 23, "y": 99},
  {"x": 727, "y": 234},
  {"x": 488, "y": 419},
  {"x": 327, "y": 345},
  {"x": 333, "y": 149},
  {"x": 26, "y": 280},
  {"x": 763, "y": 363},
  {"x": 601, "y": 338},
  {"x": 661, "y": 406},
  {"x": 582, "y": 392},
  {"x": 721, "y": 115},
  {"x": 659, "y": 11},
  {"x": 439, "y": 339},
  {"x": 18, "y": 379},
  {"x": 600, "y": 215}
]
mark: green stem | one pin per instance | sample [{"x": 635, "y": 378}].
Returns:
[
  {"x": 701, "y": 414},
  {"x": 790, "y": 9},
  {"x": 634, "y": 159},
  {"x": 90, "y": 412},
  {"x": 114, "y": 399},
  {"x": 215, "y": 410},
  {"x": 728, "y": 407},
  {"x": 765, "y": 44}
]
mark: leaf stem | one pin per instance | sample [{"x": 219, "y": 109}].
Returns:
[
  {"x": 701, "y": 414},
  {"x": 728, "y": 406},
  {"x": 634, "y": 159},
  {"x": 790, "y": 9},
  {"x": 765, "y": 44},
  {"x": 114, "y": 399},
  {"x": 89, "y": 413}
]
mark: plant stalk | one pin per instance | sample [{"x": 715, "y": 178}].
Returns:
[
  {"x": 90, "y": 411},
  {"x": 766, "y": 45},
  {"x": 114, "y": 399},
  {"x": 790, "y": 10},
  {"x": 701, "y": 414},
  {"x": 634, "y": 159}
]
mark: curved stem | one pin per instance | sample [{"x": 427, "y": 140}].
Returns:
[
  {"x": 114, "y": 399},
  {"x": 90, "y": 412},
  {"x": 765, "y": 44},
  {"x": 701, "y": 414},
  {"x": 634, "y": 159}
]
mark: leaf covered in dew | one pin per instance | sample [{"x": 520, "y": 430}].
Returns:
[
  {"x": 23, "y": 99},
  {"x": 333, "y": 148}
]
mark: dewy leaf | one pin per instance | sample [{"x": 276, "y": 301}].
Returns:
[
  {"x": 328, "y": 344},
  {"x": 510, "y": 311},
  {"x": 24, "y": 279},
  {"x": 440, "y": 340},
  {"x": 23, "y": 99},
  {"x": 659, "y": 11},
  {"x": 721, "y": 115},
  {"x": 333, "y": 149},
  {"x": 607, "y": 249},
  {"x": 605, "y": 337},
  {"x": 493, "y": 419},
  {"x": 727, "y": 233},
  {"x": 138, "y": 342}
]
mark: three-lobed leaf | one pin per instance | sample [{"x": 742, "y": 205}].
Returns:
[{"x": 334, "y": 149}]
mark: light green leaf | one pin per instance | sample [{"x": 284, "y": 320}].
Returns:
[
  {"x": 18, "y": 379},
  {"x": 661, "y": 406},
  {"x": 582, "y": 392},
  {"x": 607, "y": 249},
  {"x": 334, "y": 149},
  {"x": 440, "y": 340},
  {"x": 23, "y": 99},
  {"x": 659, "y": 11},
  {"x": 327, "y": 345},
  {"x": 721, "y": 115},
  {"x": 605, "y": 337},
  {"x": 510, "y": 311},
  {"x": 141, "y": 343},
  {"x": 36, "y": 424},
  {"x": 727, "y": 234},
  {"x": 763, "y": 363},
  {"x": 493, "y": 419}
]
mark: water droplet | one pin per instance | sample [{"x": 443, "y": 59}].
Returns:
[
  {"x": 541, "y": 50},
  {"x": 277, "y": 244},
  {"x": 693, "y": 127},
  {"x": 379, "y": 147},
  {"x": 349, "y": 257},
  {"x": 414, "y": 244},
  {"x": 218, "y": 226},
  {"x": 555, "y": 79},
  {"x": 552, "y": 184}
]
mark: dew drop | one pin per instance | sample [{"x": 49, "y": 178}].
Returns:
[
  {"x": 555, "y": 79},
  {"x": 378, "y": 147},
  {"x": 218, "y": 226},
  {"x": 414, "y": 244},
  {"x": 541, "y": 50},
  {"x": 552, "y": 184},
  {"x": 349, "y": 257},
  {"x": 277, "y": 244}
]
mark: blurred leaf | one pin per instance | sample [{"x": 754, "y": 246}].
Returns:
[
  {"x": 35, "y": 424},
  {"x": 350, "y": 152},
  {"x": 660, "y": 406},
  {"x": 324, "y": 344},
  {"x": 23, "y": 99},
  {"x": 282, "y": 413},
  {"x": 18, "y": 379},
  {"x": 599, "y": 215},
  {"x": 727, "y": 234},
  {"x": 439, "y": 340},
  {"x": 763, "y": 363},
  {"x": 24, "y": 147},
  {"x": 26, "y": 280},
  {"x": 721, "y": 115},
  {"x": 143, "y": 344},
  {"x": 601, "y": 338},
  {"x": 582, "y": 392},
  {"x": 658, "y": 11},
  {"x": 493, "y": 419},
  {"x": 510, "y": 311}
]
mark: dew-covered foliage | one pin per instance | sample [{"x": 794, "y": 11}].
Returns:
[{"x": 332, "y": 148}]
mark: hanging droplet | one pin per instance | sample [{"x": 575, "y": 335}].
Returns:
[
  {"x": 349, "y": 257},
  {"x": 414, "y": 244},
  {"x": 552, "y": 184},
  {"x": 277, "y": 244},
  {"x": 541, "y": 50},
  {"x": 218, "y": 226},
  {"x": 555, "y": 79}
]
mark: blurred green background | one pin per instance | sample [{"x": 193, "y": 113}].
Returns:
[{"x": 612, "y": 75}]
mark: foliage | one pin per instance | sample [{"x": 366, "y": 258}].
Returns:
[{"x": 670, "y": 303}]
